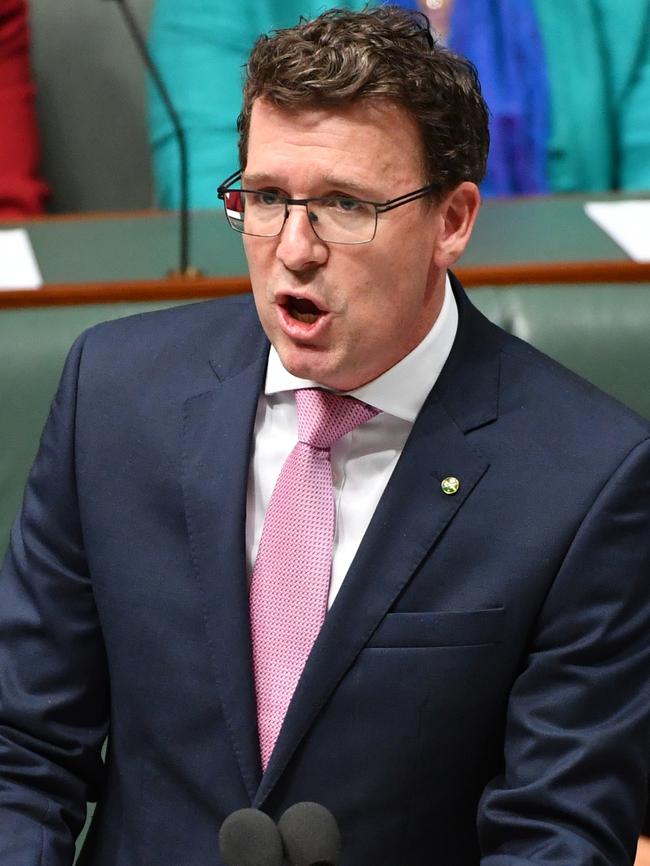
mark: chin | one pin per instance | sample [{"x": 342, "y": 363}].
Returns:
[
  {"x": 304, "y": 369},
  {"x": 306, "y": 364}
]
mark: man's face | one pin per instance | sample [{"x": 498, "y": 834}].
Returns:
[{"x": 343, "y": 314}]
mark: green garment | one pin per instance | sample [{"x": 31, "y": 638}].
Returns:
[
  {"x": 598, "y": 59},
  {"x": 201, "y": 47}
]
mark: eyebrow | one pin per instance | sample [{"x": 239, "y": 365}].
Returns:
[{"x": 330, "y": 181}]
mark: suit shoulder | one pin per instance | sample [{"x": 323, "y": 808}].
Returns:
[
  {"x": 565, "y": 397},
  {"x": 185, "y": 317},
  {"x": 165, "y": 348},
  {"x": 214, "y": 326}
]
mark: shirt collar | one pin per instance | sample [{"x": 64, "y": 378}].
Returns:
[{"x": 401, "y": 390}]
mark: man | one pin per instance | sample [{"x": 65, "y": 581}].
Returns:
[{"x": 476, "y": 691}]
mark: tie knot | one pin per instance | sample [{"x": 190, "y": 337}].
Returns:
[{"x": 324, "y": 417}]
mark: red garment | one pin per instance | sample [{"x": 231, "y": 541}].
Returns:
[{"x": 22, "y": 190}]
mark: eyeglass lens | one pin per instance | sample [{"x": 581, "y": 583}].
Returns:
[{"x": 337, "y": 220}]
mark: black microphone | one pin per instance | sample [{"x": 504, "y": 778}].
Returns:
[
  {"x": 310, "y": 835},
  {"x": 249, "y": 837},
  {"x": 184, "y": 268}
]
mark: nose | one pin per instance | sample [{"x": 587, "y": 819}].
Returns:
[{"x": 299, "y": 248}]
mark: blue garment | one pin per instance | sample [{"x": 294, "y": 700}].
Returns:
[{"x": 502, "y": 39}]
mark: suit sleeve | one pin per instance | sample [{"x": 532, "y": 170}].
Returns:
[
  {"x": 577, "y": 738},
  {"x": 53, "y": 677}
]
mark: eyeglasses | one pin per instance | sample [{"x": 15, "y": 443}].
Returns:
[{"x": 337, "y": 219}]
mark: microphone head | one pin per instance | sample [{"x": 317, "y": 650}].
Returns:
[
  {"x": 249, "y": 837},
  {"x": 310, "y": 835}
]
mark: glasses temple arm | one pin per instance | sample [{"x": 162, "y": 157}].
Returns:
[
  {"x": 222, "y": 188},
  {"x": 408, "y": 197}
]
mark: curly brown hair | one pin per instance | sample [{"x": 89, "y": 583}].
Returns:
[{"x": 385, "y": 53}]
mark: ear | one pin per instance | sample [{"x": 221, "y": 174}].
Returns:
[{"x": 457, "y": 213}]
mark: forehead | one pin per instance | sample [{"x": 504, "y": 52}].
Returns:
[{"x": 368, "y": 141}]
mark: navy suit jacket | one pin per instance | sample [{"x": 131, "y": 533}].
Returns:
[{"x": 478, "y": 692}]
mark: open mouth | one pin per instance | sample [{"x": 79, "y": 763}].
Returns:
[{"x": 303, "y": 310}]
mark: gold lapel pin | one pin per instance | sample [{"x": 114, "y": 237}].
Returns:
[{"x": 450, "y": 485}]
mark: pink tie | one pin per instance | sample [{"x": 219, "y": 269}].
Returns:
[{"x": 290, "y": 583}]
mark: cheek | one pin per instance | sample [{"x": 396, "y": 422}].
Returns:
[
  {"x": 262, "y": 287},
  {"x": 249, "y": 250},
  {"x": 370, "y": 294},
  {"x": 265, "y": 309},
  {"x": 259, "y": 257},
  {"x": 372, "y": 316}
]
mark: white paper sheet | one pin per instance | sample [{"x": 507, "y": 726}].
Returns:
[
  {"x": 18, "y": 266},
  {"x": 627, "y": 223}
]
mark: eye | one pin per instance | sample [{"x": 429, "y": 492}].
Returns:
[
  {"x": 345, "y": 203},
  {"x": 268, "y": 197}
]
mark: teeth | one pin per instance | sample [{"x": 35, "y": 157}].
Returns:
[
  {"x": 303, "y": 310},
  {"x": 308, "y": 318}
]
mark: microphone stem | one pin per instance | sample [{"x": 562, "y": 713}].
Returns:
[{"x": 178, "y": 130}]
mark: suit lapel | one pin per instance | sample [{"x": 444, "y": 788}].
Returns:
[
  {"x": 409, "y": 519},
  {"x": 218, "y": 427}
]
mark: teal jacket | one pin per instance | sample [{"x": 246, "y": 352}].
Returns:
[
  {"x": 598, "y": 59},
  {"x": 201, "y": 47}
]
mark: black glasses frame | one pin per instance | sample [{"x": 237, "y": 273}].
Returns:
[{"x": 379, "y": 206}]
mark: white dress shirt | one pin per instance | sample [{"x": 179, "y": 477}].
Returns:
[{"x": 364, "y": 459}]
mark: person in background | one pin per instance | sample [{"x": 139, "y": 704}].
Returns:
[
  {"x": 201, "y": 47},
  {"x": 568, "y": 87},
  {"x": 502, "y": 39},
  {"x": 598, "y": 59},
  {"x": 22, "y": 191}
]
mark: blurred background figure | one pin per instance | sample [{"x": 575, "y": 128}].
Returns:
[
  {"x": 590, "y": 61},
  {"x": 22, "y": 190},
  {"x": 201, "y": 47},
  {"x": 567, "y": 83},
  {"x": 503, "y": 41},
  {"x": 598, "y": 59}
]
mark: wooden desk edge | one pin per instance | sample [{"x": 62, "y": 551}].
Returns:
[
  {"x": 164, "y": 289},
  {"x": 175, "y": 289}
]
